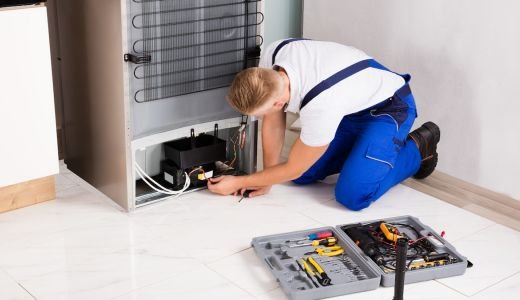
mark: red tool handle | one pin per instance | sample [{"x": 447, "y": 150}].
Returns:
[{"x": 320, "y": 235}]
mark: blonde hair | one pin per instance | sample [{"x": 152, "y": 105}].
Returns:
[{"x": 253, "y": 87}]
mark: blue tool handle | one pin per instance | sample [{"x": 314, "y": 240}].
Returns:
[{"x": 320, "y": 235}]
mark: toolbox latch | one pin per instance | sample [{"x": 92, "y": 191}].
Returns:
[
  {"x": 137, "y": 59},
  {"x": 470, "y": 264}
]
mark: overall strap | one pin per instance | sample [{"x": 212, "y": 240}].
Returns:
[
  {"x": 374, "y": 64},
  {"x": 282, "y": 44},
  {"x": 347, "y": 72}
]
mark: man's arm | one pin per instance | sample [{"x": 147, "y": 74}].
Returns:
[
  {"x": 273, "y": 135},
  {"x": 301, "y": 158}
]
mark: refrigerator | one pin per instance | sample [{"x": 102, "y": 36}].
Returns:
[{"x": 136, "y": 74}]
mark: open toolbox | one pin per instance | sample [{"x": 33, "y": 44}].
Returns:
[{"x": 356, "y": 257}]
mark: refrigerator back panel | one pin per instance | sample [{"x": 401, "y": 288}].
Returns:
[{"x": 184, "y": 55}]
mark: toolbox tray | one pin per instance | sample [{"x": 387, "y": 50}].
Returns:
[
  {"x": 297, "y": 285},
  {"x": 295, "y": 282}
]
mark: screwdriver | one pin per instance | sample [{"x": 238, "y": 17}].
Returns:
[
  {"x": 330, "y": 241},
  {"x": 245, "y": 195},
  {"x": 315, "y": 236}
]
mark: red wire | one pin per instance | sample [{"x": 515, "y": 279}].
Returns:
[
  {"x": 425, "y": 237},
  {"x": 415, "y": 241},
  {"x": 242, "y": 142}
]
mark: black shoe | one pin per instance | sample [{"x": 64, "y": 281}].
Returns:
[{"x": 426, "y": 137}]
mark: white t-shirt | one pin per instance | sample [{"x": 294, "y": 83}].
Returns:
[{"x": 309, "y": 62}]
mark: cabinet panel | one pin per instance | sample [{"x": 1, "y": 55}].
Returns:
[{"x": 27, "y": 122}]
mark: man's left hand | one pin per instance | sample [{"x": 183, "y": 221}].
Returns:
[{"x": 224, "y": 185}]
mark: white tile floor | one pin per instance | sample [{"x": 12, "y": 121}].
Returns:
[{"x": 81, "y": 246}]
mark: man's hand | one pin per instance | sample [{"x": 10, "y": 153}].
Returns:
[
  {"x": 231, "y": 185},
  {"x": 257, "y": 191},
  {"x": 224, "y": 185}
]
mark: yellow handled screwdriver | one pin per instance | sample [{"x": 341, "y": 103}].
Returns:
[{"x": 330, "y": 241}]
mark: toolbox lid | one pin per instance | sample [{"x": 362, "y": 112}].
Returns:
[{"x": 388, "y": 279}]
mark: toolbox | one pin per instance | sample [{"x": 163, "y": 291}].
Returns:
[{"x": 430, "y": 257}]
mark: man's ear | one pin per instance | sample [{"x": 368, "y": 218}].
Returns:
[{"x": 279, "y": 104}]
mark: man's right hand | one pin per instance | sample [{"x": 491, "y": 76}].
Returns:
[{"x": 257, "y": 191}]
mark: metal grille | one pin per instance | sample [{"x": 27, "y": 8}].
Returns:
[{"x": 194, "y": 45}]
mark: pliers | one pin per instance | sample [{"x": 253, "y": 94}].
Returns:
[
  {"x": 320, "y": 274},
  {"x": 327, "y": 251}
]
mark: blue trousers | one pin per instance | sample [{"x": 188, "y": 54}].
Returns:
[{"x": 371, "y": 152}]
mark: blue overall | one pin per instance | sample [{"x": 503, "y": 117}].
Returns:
[{"x": 370, "y": 150}]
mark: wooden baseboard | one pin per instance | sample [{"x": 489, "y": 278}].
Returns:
[
  {"x": 486, "y": 203},
  {"x": 27, "y": 193}
]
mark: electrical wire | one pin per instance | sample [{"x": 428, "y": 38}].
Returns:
[
  {"x": 159, "y": 188},
  {"x": 187, "y": 183},
  {"x": 412, "y": 242},
  {"x": 418, "y": 243},
  {"x": 242, "y": 141},
  {"x": 164, "y": 190},
  {"x": 408, "y": 226},
  {"x": 199, "y": 169},
  {"x": 242, "y": 132},
  {"x": 234, "y": 140},
  {"x": 154, "y": 188}
]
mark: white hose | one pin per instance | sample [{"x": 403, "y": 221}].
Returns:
[
  {"x": 160, "y": 188},
  {"x": 169, "y": 193}
]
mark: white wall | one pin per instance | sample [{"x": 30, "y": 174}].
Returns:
[
  {"x": 283, "y": 19},
  {"x": 464, "y": 57}
]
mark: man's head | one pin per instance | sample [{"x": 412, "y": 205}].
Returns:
[{"x": 259, "y": 91}]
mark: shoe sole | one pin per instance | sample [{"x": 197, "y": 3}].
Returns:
[{"x": 427, "y": 167}]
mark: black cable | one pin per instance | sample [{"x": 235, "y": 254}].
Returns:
[
  {"x": 391, "y": 268},
  {"x": 402, "y": 249},
  {"x": 408, "y": 226},
  {"x": 411, "y": 260}
]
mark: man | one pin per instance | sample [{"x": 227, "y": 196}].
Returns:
[{"x": 355, "y": 116}]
